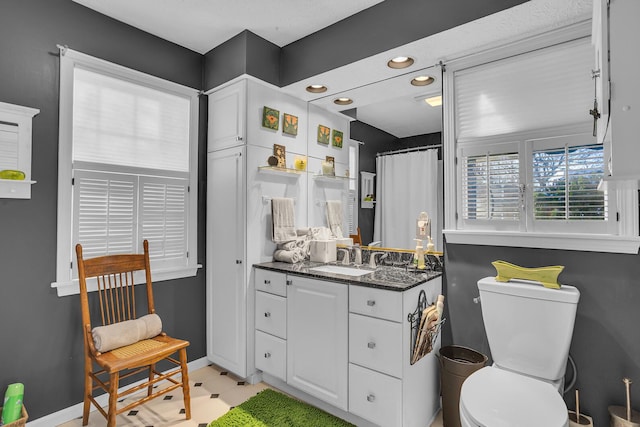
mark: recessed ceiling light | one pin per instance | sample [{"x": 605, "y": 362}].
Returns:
[
  {"x": 343, "y": 101},
  {"x": 400, "y": 62},
  {"x": 434, "y": 101},
  {"x": 316, "y": 88},
  {"x": 422, "y": 80}
]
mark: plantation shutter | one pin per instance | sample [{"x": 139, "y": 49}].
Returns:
[
  {"x": 8, "y": 146},
  {"x": 491, "y": 187},
  {"x": 106, "y": 209}
]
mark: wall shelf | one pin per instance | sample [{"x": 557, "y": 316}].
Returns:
[
  {"x": 15, "y": 189},
  {"x": 274, "y": 170},
  {"x": 331, "y": 178}
]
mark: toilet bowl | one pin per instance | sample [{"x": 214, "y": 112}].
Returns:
[{"x": 493, "y": 397}]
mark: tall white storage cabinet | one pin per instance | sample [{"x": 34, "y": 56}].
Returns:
[
  {"x": 226, "y": 275},
  {"x": 239, "y": 222}
]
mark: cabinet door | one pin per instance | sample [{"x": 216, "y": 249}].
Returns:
[
  {"x": 226, "y": 284},
  {"x": 227, "y": 113},
  {"x": 317, "y": 348}
]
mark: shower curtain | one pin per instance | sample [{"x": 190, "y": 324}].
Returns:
[{"x": 406, "y": 184}]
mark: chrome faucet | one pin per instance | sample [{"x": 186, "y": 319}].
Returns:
[
  {"x": 345, "y": 257},
  {"x": 372, "y": 258},
  {"x": 357, "y": 259}
]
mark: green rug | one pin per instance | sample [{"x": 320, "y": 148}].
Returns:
[{"x": 272, "y": 409}]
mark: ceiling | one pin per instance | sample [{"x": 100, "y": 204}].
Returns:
[{"x": 383, "y": 97}]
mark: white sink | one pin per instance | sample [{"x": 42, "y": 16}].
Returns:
[{"x": 339, "y": 269}]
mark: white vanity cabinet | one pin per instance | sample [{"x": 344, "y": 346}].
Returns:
[
  {"x": 301, "y": 333},
  {"x": 384, "y": 387}
]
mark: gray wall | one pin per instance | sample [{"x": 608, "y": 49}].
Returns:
[{"x": 40, "y": 332}]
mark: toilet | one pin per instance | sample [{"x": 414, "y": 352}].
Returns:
[{"x": 529, "y": 329}]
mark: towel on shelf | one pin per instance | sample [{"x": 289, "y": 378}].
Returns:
[
  {"x": 291, "y": 257},
  {"x": 334, "y": 217},
  {"x": 283, "y": 219}
]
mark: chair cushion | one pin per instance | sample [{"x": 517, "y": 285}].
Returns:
[{"x": 120, "y": 334}]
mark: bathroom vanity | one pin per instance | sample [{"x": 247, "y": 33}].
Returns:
[{"x": 346, "y": 340}]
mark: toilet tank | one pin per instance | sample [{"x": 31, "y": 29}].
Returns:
[{"x": 529, "y": 327}]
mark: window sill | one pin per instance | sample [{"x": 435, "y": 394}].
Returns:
[
  {"x": 572, "y": 242},
  {"x": 73, "y": 288}
]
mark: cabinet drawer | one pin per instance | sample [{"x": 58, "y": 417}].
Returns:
[
  {"x": 376, "y": 302},
  {"x": 271, "y": 314},
  {"x": 271, "y": 355},
  {"x": 376, "y": 344},
  {"x": 271, "y": 281},
  {"x": 374, "y": 396}
]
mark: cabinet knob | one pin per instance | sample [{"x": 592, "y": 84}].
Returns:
[
  {"x": 371, "y": 398},
  {"x": 371, "y": 345},
  {"x": 267, "y": 355},
  {"x": 267, "y": 314},
  {"x": 238, "y": 138},
  {"x": 289, "y": 282},
  {"x": 238, "y": 261},
  {"x": 371, "y": 303},
  {"x": 267, "y": 282}
]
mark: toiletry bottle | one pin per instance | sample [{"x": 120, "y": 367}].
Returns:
[
  {"x": 12, "y": 408},
  {"x": 415, "y": 254},
  {"x": 420, "y": 253}
]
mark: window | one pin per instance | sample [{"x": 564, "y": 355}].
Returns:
[
  {"x": 525, "y": 169},
  {"x": 127, "y": 167}
]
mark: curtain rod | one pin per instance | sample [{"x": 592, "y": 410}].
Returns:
[{"x": 407, "y": 150}]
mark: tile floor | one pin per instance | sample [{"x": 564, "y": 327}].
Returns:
[{"x": 213, "y": 393}]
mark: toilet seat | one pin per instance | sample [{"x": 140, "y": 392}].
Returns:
[{"x": 493, "y": 397}]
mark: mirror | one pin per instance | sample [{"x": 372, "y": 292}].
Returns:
[{"x": 396, "y": 118}]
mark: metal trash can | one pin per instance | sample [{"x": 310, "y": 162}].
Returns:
[{"x": 456, "y": 364}]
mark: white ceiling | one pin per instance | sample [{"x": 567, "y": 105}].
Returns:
[
  {"x": 383, "y": 97},
  {"x": 201, "y": 25}
]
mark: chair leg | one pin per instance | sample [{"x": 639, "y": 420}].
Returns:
[
  {"x": 152, "y": 367},
  {"x": 114, "y": 379},
  {"x": 88, "y": 391},
  {"x": 185, "y": 383}
]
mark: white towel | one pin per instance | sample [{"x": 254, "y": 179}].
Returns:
[
  {"x": 283, "y": 218},
  {"x": 119, "y": 334},
  {"x": 334, "y": 217},
  {"x": 291, "y": 257}
]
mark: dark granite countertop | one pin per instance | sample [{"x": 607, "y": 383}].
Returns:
[{"x": 383, "y": 277}]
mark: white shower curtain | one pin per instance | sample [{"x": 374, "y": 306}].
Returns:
[{"x": 406, "y": 184}]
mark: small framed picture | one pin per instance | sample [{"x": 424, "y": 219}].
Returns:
[
  {"x": 290, "y": 124},
  {"x": 324, "y": 134},
  {"x": 280, "y": 153},
  {"x": 270, "y": 118},
  {"x": 337, "y": 139}
]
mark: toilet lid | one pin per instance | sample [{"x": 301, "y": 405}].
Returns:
[{"x": 492, "y": 397}]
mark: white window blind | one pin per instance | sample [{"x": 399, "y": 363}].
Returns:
[
  {"x": 8, "y": 146},
  {"x": 544, "y": 88},
  {"x": 123, "y": 123}
]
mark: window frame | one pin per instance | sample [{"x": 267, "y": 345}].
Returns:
[
  {"x": 65, "y": 282},
  {"x": 624, "y": 239}
]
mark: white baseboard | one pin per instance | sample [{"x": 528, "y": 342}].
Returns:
[{"x": 75, "y": 411}]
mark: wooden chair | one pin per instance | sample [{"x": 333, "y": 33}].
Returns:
[
  {"x": 116, "y": 299},
  {"x": 357, "y": 238}
]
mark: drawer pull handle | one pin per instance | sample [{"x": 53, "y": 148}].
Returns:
[
  {"x": 267, "y": 355},
  {"x": 289, "y": 282},
  {"x": 238, "y": 261},
  {"x": 267, "y": 314},
  {"x": 267, "y": 282},
  {"x": 371, "y": 303},
  {"x": 371, "y": 398},
  {"x": 371, "y": 345}
]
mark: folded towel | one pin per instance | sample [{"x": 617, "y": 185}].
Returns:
[
  {"x": 119, "y": 334},
  {"x": 291, "y": 257},
  {"x": 283, "y": 218},
  {"x": 334, "y": 217}
]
